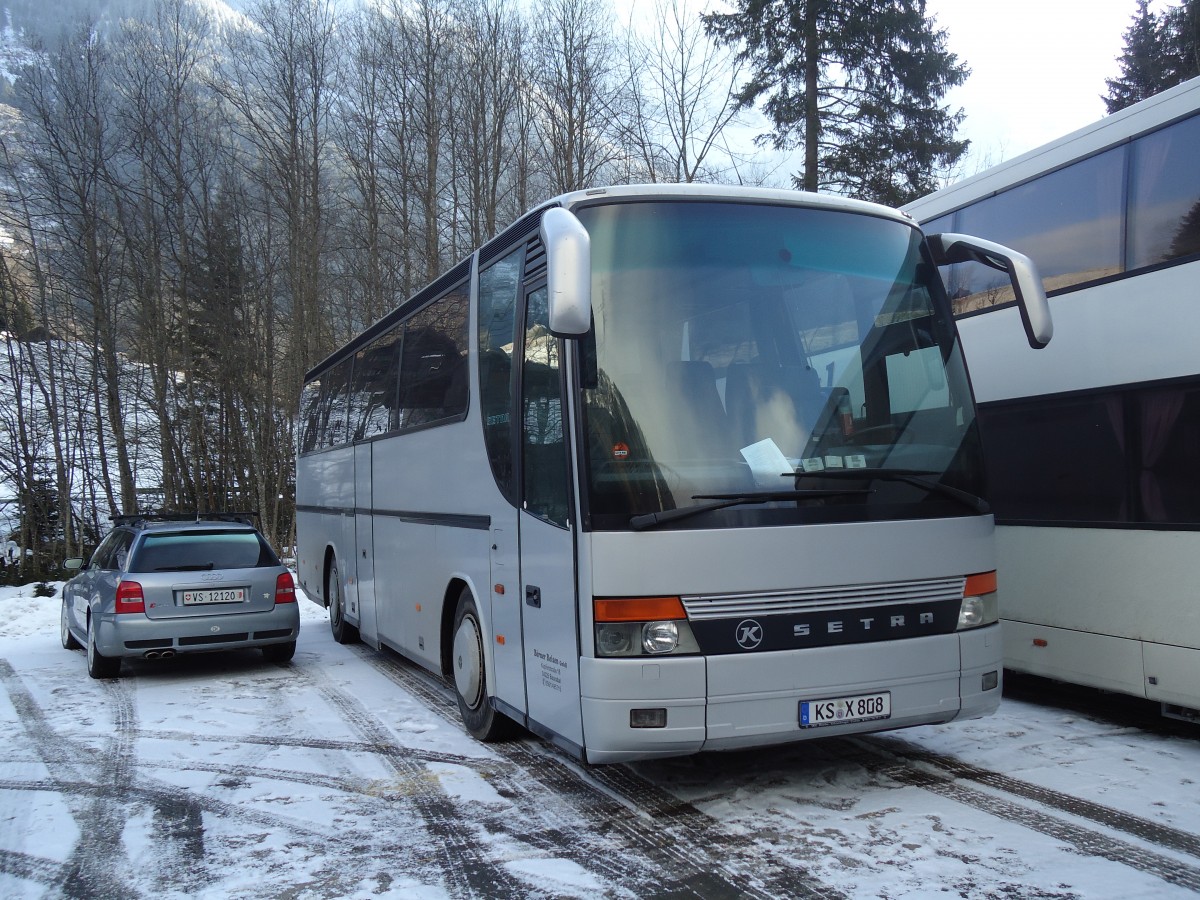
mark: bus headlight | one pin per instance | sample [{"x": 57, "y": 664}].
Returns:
[
  {"x": 660, "y": 637},
  {"x": 615, "y": 639},
  {"x": 980, "y": 605},
  {"x": 642, "y": 626}
]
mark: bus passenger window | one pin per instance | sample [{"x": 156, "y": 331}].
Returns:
[{"x": 542, "y": 438}]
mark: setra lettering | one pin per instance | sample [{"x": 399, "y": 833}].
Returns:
[{"x": 865, "y": 624}]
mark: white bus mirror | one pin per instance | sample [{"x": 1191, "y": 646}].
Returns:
[
  {"x": 1027, "y": 283},
  {"x": 568, "y": 273}
]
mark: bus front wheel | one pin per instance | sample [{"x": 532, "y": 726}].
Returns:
[
  {"x": 343, "y": 631},
  {"x": 470, "y": 677}
]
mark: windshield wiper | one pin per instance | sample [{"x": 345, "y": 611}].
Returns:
[
  {"x": 721, "y": 501},
  {"x": 908, "y": 476},
  {"x": 202, "y": 567}
]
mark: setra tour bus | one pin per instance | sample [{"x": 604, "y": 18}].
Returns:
[
  {"x": 1092, "y": 446},
  {"x": 663, "y": 469}
]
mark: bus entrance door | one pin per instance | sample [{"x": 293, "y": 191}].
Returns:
[{"x": 548, "y": 603}]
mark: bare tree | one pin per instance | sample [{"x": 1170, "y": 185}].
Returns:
[
  {"x": 487, "y": 160},
  {"x": 276, "y": 78},
  {"x": 73, "y": 149},
  {"x": 681, "y": 85},
  {"x": 575, "y": 92}
]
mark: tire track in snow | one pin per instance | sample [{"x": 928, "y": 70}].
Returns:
[
  {"x": 672, "y": 834},
  {"x": 463, "y": 863},
  {"x": 94, "y": 860},
  {"x": 92, "y": 867},
  {"x": 31, "y": 868},
  {"x": 913, "y": 770},
  {"x": 390, "y": 748},
  {"x": 1152, "y": 832},
  {"x": 605, "y": 819}
]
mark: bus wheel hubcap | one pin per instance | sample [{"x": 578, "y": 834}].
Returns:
[{"x": 468, "y": 662}]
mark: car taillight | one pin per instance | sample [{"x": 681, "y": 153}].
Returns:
[
  {"x": 130, "y": 598},
  {"x": 285, "y": 589}
]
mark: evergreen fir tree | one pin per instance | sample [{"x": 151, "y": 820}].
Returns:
[
  {"x": 1182, "y": 26},
  {"x": 1145, "y": 63},
  {"x": 858, "y": 84}
]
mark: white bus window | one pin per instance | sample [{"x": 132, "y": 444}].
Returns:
[
  {"x": 1164, "y": 195},
  {"x": 309, "y": 425},
  {"x": 543, "y": 450},
  {"x": 433, "y": 364},
  {"x": 497, "y": 321},
  {"x": 335, "y": 405},
  {"x": 1068, "y": 222},
  {"x": 376, "y": 383}
]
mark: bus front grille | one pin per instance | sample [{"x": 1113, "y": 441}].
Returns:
[{"x": 771, "y": 603}]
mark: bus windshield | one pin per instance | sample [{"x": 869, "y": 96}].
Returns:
[{"x": 802, "y": 358}]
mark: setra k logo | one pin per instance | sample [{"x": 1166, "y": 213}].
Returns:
[{"x": 749, "y": 634}]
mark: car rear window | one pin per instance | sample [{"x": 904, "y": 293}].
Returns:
[{"x": 198, "y": 551}]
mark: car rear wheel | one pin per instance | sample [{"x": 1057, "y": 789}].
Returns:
[
  {"x": 343, "y": 631},
  {"x": 99, "y": 665},
  {"x": 279, "y": 653},
  {"x": 68, "y": 639},
  {"x": 470, "y": 676}
]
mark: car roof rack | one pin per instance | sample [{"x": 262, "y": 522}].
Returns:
[{"x": 240, "y": 518}]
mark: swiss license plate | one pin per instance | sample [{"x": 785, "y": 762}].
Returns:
[
  {"x": 843, "y": 710},
  {"x": 214, "y": 595}
]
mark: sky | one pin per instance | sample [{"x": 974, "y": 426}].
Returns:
[{"x": 1038, "y": 68}]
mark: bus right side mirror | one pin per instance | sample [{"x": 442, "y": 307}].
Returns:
[
  {"x": 568, "y": 273},
  {"x": 1031, "y": 297}
]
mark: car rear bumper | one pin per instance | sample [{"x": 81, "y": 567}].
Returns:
[{"x": 137, "y": 636}]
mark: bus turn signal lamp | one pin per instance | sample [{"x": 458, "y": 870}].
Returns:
[
  {"x": 642, "y": 626},
  {"x": 979, "y": 604}
]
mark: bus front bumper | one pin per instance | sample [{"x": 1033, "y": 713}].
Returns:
[{"x": 720, "y": 702}]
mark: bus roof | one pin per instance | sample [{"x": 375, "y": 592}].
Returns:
[
  {"x": 1120, "y": 127},
  {"x": 695, "y": 191}
]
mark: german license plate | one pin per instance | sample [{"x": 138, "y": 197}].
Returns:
[
  {"x": 844, "y": 710},
  {"x": 214, "y": 595}
]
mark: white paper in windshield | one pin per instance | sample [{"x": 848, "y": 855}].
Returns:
[{"x": 767, "y": 462}]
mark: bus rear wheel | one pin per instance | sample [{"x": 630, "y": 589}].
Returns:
[{"x": 470, "y": 676}]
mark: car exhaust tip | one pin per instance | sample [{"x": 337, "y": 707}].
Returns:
[
  {"x": 150, "y": 654},
  {"x": 167, "y": 654}
]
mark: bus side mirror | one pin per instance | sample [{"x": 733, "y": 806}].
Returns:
[
  {"x": 568, "y": 273},
  {"x": 1031, "y": 298}
]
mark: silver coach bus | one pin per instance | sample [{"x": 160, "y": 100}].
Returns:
[{"x": 663, "y": 469}]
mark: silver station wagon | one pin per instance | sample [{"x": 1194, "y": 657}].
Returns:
[{"x": 159, "y": 585}]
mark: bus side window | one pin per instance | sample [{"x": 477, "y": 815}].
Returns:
[
  {"x": 542, "y": 438},
  {"x": 433, "y": 363},
  {"x": 497, "y": 322}
]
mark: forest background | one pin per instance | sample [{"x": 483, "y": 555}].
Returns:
[{"x": 199, "y": 200}]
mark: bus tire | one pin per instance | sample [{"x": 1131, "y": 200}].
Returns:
[
  {"x": 470, "y": 676},
  {"x": 343, "y": 631}
]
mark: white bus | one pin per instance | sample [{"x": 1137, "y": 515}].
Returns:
[
  {"x": 664, "y": 469},
  {"x": 1093, "y": 446}
]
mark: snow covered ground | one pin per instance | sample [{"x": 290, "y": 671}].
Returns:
[{"x": 346, "y": 774}]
